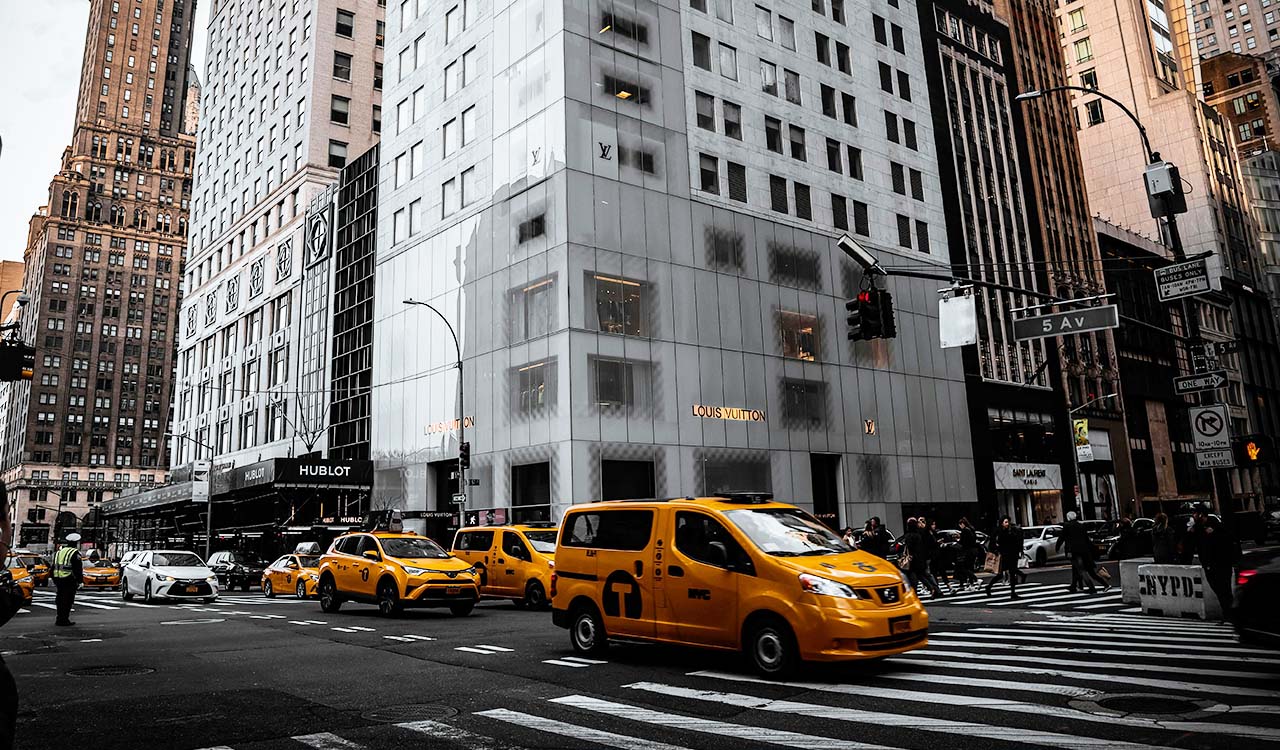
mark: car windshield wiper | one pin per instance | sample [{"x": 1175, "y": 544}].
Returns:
[{"x": 784, "y": 553}]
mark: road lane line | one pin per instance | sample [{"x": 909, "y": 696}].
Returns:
[
  {"x": 1016, "y": 735},
  {"x": 573, "y": 731},
  {"x": 584, "y": 661},
  {"x": 495, "y": 648},
  {"x": 327, "y": 741},
  {"x": 440, "y": 730},
  {"x": 471, "y": 650},
  {"x": 1192, "y": 687},
  {"x": 711, "y": 726},
  {"x": 558, "y": 663},
  {"x": 986, "y": 703},
  {"x": 402, "y": 639}
]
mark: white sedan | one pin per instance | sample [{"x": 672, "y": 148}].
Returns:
[
  {"x": 168, "y": 574},
  {"x": 1040, "y": 544}
]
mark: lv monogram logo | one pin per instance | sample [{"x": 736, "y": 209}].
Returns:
[{"x": 606, "y": 151}]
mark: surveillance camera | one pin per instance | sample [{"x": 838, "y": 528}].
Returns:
[
  {"x": 860, "y": 254},
  {"x": 24, "y": 298}
]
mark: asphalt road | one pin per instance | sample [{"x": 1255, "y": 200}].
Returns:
[{"x": 252, "y": 674}]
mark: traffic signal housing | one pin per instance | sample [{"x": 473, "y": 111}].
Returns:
[
  {"x": 17, "y": 361},
  {"x": 464, "y": 455},
  {"x": 1252, "y": 450},
  {"x": 871, "y": 316}
]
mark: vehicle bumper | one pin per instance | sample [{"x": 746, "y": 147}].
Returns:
[
  {"x": 837, "y": 634},
  {"x": 560, "y": 618},
  {"x": 183, "y": 590},
  {"x": 440, "y": 594},
  {"x": 101, "y": 582}
]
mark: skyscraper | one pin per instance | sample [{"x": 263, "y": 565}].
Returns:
[
  {"x": 629, "y": 216},
  {"x": 102, "y": 268}
]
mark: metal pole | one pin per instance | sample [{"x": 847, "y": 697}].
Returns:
[{"x": 462, "y": 411}]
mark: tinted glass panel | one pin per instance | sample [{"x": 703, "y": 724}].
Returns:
[{"x": 613, "y": 529}]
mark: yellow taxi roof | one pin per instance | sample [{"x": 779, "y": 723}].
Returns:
[{"x": 755, "y": 501}]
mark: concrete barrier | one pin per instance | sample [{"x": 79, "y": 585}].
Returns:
[
  {"x": 1129, "y": 581},
  {"x": 1177, "y": 591}
]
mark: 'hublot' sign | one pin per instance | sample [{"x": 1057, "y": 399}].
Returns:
[{"x": 303, "y": 472}]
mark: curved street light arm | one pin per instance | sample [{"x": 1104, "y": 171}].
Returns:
[{"x": 1152, "y": 156}]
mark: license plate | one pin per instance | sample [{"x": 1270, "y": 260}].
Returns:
[
  {"x": 902, "y": 626},
  {"x": 453, "y": 590},
  {"x": 192, "y": 589}
]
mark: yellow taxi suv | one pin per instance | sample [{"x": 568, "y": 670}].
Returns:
[
  {"x": 739, "y": 573},
  {"x": 101, "y": 574},
  {"x": 297, "y": 573},
  {"x": 514, "y": 562},
  {"x": 23, "y": 580},
  {"x": 394, "y": 571},
  {"x": 36, "y": 565}
]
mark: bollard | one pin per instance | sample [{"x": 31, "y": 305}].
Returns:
[
  {"x": 1129, "y": 581},
  {"x": 1176, "y": 591}
]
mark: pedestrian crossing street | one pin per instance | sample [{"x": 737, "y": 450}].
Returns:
[
  {"x": 1068, "y": 681},
  {"x": 1036, "y": 596},
  {"x": 105, "y": 601}
]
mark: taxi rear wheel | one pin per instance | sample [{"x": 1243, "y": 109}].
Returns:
[
  {"x": 389, "y": 604},
  {"x": 771, "y": 648},
  {"x": 301, "y": 590},
  {"x": 586, "y": 631},
  {"x": 268, "y": 590},
  {"x": 535, "y": 596},
  {"x": 329, "y": 599}
]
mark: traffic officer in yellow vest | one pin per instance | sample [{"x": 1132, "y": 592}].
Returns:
[{"x": 68, "y": 573}]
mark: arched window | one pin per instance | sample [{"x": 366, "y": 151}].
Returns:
[
  {"x": 117, "y": 216},
  {"x": 93, "y": 211},
  {"x": 137, "y": 219},
  {"x": 182, "y": 226},
  {"x": 70, "y": 204}
]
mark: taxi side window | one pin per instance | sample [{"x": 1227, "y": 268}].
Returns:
[
  {"x": 282, "y": 562},
  {"x": 368, "y": 543},
  {"x": 348, "y": 545},
  {"x": 695, "y": 535},
  {"x": 514, "y": 546},
  {"x": 475, "y": 541},
  {"x": 627, "y": 530}
]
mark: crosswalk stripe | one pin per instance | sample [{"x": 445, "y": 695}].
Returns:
[
  {"x": 94, "y": 606},
  {"x": 1103, "y": 605},
  {"x": 1145, "y": 655},
  {"x": 980, "y": 596},
  {"x": 440, "y": 730},
  {"x": 343, "y": 630},
  {"x": 1143, "y": 636},
  {"x": 1059, "y": 597},
  {"x": 882, "y": 719},
  {"x": 327, "y": 741},
  {"x": 402, "y": 639},
  {"x": 494, "y": 648},
  {"x": 46, "y": 606},
  {"x": 363, "y": 629},
  {"x": 471, "y": 650},
  {"x": 1082, "y": 623},
  {"x": 1077, "y": 598},
  {"x": 586, "y": 734},
  {"x": 1240, "y": 652},
  {"x": 1193, "y": 687},
  {"x": 1010, "y": 706},
  {"x": 217, "y": 747},
  {"x": 414, "y": 637},
  {"x": 711, "y": 726},
  {"x": 1071, "y": 691},
  {"x": 1147, "y": 619}
]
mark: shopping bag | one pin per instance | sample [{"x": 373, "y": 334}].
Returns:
[
  {"x": 992, "y": 563},
  {"x": 1103, "y": 573}
]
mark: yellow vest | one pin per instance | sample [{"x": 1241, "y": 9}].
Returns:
[{"x": 62, "y": 562}]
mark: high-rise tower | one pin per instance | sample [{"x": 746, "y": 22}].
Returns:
[{"x": 103, "y": 264}]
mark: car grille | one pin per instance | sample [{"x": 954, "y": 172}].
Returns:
[
  {"x": 889, "y": 642},
  {"x": 182, "y": 586},
  {"x": 890, "y": 594}
]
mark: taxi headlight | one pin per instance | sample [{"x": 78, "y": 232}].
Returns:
[
  {"x": 163, "y": 577},
  {"x": 212, "y": 579},
  {"x": 416, "y": 571},
  {"x": 818, "y": 585},
  {"x": 21, "y": 578}
]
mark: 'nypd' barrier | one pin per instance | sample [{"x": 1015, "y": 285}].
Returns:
[
  {"x": 1130, "y": 583},
  {"x": 1176, "y": 591}
]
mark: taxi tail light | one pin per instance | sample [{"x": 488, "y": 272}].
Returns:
[
  {"x": 553, "y": 584},
  {"x": 1243, "y": 576}
]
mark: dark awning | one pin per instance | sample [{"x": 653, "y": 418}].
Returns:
[{"x": 170, "y": 494}]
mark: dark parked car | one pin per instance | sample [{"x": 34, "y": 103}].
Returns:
[
  {"x": 1257, "y": 605},
  {"x": 242, "y": 569},
  {"x": 1141, "y": 540},
  {"x": 1272, "y": 520}
]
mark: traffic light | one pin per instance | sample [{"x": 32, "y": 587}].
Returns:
[
  {"x": 464, "y": 455},
  {"x": 17, "y": 361},
  {"x": 871, "y": 316},
  {"x": 1254, "y": 449},
  {"x": 888, "y": 323},
  {"x": 854, "y": 306}
]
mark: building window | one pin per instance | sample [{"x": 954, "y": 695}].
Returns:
[
  {"x": 337, "y": 154},
  {"x": 1089, "y": 78},
  {"x": 1083, "y": 50},
  {"x": 768, "y": 78},
  {"x": 904, "y": 231},
  {"x": 619, "y": 305},
  {"x": 701, "y": 50},
  {"x": 839, "y": 212},
  {"x": 778, "y": 194},
  {"x": 798, "y": 150},
  {"x": 804, "y": 402},
  {"x": 728, "y": 62},
  {"x": 531, "y": 228},
  {"x": 804, "y": 209},
  {"x": 708, "y": 174},
  {"x": 624, "y": 27},
  {"x": 618, "y": 383},
  {"x": 737, "y": 181},
  {"x": 705, "y": 109},
  {"x": 342, "y": 66},
  {"x": 532, "y": 310},
  {"x": 1093, "y": 112},
  {"x": 534, "y": 386},
  {"x": 791, "y": 85},
  {"x": 1076, "y": 17},
  {"x": 798, "y": 335},
  {"x": 724, "y": 249},
  {"x": 340, "y": 110},
  {"x": 794, "y": 266},
  {"x": 732, "y": 120},
  {"x": 773, "y": 134},
  {"x": 626, "y": 90},
  {"x": 345, "y": 25}
]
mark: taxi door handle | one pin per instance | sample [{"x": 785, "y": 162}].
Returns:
[{"x": 675, "y": 571}]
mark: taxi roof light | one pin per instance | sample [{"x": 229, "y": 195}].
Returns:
[{"x": 747, "y": 498}]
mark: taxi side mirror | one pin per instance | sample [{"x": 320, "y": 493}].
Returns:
[
  {"x": 372, "y": 554},
  {"x": 718, "y": 554}
]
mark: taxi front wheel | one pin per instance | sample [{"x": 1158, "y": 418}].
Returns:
[
  {"x": 461, "y": 609},
  {"x": 586, "y": 631},
  {"x": 389, "y": 604},
  {"x": 771, "y": 648},
  {"x": 268, "y": 590},
  {"x": 329, "y": 599}
]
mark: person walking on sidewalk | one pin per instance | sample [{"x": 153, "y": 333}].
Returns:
[
  {"x": 916, "y": 562},
  {"x": 68, "y": 574},
  {"x": 968, "y": 547},
  {"x": 1080, "y": 549},
  {"x": 937, "y": 570},
  {"x": 1164, "y": 541},
  {"x": 1218, "y": 551},
  {"x": 1007, "y": 543}
]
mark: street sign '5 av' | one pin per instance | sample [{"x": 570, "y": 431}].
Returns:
[{"x": 1066, "y": 323}]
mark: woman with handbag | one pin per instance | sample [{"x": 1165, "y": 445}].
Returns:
[
  {"x": 1007, "y": 543},
  {"x": 915, "y": 559}
]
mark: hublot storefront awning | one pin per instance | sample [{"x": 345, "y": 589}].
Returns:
[{"x": 268, "y": 506}]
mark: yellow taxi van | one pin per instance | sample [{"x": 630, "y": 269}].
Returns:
[
  {"x": 395, "y": 570},
  {"x": 514, "y": 562},
  {"x": 739, "y": 572}
]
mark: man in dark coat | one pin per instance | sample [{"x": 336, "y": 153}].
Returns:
[
  {"x": 875, "y": 539},
  {"x": 1218, "y": 551},
  {"x": 1007, "y": 542},
  {"x": 1079, "y": 547}
]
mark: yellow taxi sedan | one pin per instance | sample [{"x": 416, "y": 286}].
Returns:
[
  {"x": 514, "y": 562},
  {"x": 22, "y": 578},
  {"x": 36, "y": 565},
  {"x": 297, "y": 573},
  {"x": 394, "y": 571},
  {"x": 101, "y": 574}
]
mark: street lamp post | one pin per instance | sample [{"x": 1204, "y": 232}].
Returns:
[
  {"x": 462, "y": 411},
  {"x": 208, "y": 514}
]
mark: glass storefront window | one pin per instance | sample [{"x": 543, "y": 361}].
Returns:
[
  {"x": 804, "y": 401},
  {"x": 799, "y": 335},
  {"x": 533, "y": 310},
  {"x": 535, "y": 386},
  {"x": 620, "y": 306},
  {"x": 618, "y": 382}
]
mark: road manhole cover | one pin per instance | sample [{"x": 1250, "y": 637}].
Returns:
[
  {"x": 117, "y": 670},
  {"x": 410, "y": 712},
  {"x": 1147, "y": 705}
]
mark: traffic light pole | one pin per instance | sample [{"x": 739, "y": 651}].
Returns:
[{"x": 463, "y": 458}]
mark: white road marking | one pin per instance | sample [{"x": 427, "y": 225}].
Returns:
[
  {"x": 1016, "y": 735},
  {"x": 494, "y": 648},
  {"x": 1011, "y": 706},
  {"x": 1061, "y": 597},
  {"x": 24, "y": 611},
  {"x": 400, "y": 638},
  {"x": 217, "y": 747},
  {"x": 586, "y": 734},
  {"x": 135, "y": 604},
  {"x": 1100, "y": 605},
  {"x": 414, "y": 637},
  {"x": 1221, "y": 653},
  {"x": 343, "y": 630},
  {"x": 307, "y": 622},
  {"x": 584, "y": 661},
  {"x": 327, "y": 741},
  {"x": 199, "y": 621},
  {"x": 1193, "y": 687},
  {"x": 471, "y": 650},
  {"x": 1108, "y": 598},
  {"x": 1071, "y": 691},
  {"x": 1148, "y": 620},
  {"x": 83, "y": 603},
  {"x": 558, "y": 663},
  {"x": 266, "y": 617},
  {"x": 363, "y": 629},
  {"x": 46, "y": 606},
  {"x": 1131, "y": 609},
  {"x": 1151, "y": 626},
  {"x": 91, "y": 640},
  {"x": 1172, "y": 641},
  {"x": 711, "y": 726},
  {"x": 442, "y": 731},
  {"x": 982, "y": 596}
]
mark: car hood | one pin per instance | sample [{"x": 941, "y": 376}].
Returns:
[
  {"x": 100, "y": 569},
  {"x": 851, "y": 568},
  {"x": 182, "y": 572},
  {"x": 429, "y": 563}
]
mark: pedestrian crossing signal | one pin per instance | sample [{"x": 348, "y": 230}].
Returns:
[{"x": 17, "y": 361}]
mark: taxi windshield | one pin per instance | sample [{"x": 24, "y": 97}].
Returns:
[
  {"x": 413, "y": 547},
  {"x": 176, "y": 560},
  {"x": 787, "y": 532},
  {"x": 542, "y": 541},
  {"x": 309, "y": 561}
]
